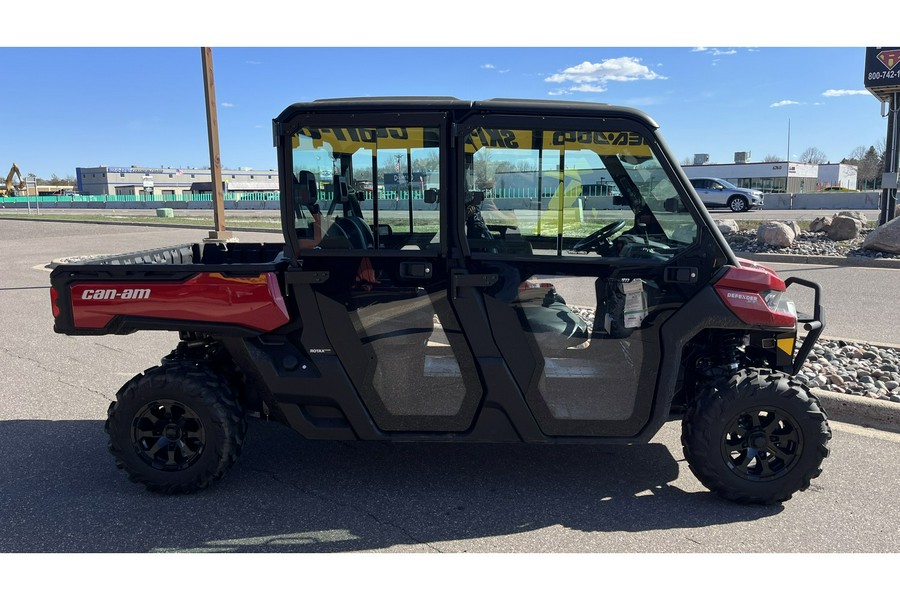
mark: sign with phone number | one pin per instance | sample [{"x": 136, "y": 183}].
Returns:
[{"x": 882, "y": 70}]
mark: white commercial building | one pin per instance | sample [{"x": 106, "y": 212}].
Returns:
[{"x": 779, "y": 177}]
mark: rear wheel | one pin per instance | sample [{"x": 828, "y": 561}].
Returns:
[
  {"x": 758, "y": 438},
  {"x": 175, "y": 428}
]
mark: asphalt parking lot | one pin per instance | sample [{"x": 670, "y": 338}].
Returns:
[{"x": 63, "y": 494}]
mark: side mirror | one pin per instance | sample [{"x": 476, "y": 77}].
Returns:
[{"x": 619, "y": 201}]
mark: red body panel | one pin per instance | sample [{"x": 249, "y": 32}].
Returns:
[
  {"x": 742, "y": 288},
  {"x": 254, "y": 302}
]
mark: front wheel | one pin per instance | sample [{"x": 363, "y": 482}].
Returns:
[
  {"x": 175, "y": 428},
  {"x": 757, "y": 438}
]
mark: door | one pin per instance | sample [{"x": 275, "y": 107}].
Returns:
[
  {"x": 577, "y": 296},
  {"x": 366, "y": 195}
]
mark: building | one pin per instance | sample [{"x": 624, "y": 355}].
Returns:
[
  {"x": 837, "y": 175},
  {"x": 770, "y": 177},
  {"x": 171, "y": 184}
]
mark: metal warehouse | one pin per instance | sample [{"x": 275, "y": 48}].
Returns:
[{"x": 170, "y": 184}]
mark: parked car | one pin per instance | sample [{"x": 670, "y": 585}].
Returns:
[{"x": 716, "y": 192}]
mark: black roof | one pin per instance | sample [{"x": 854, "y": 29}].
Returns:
[{"x": 448, "y": 103}]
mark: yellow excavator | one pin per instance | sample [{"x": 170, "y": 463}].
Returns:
[{"x": 12, "y": 189}]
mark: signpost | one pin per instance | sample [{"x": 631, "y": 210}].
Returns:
[{"x": 882, "y": 79}]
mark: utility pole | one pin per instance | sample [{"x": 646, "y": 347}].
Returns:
[
  {"x": 215, "y": 160},
  {"x": 882, "y": 79}
]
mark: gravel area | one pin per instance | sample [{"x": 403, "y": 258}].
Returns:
[
  {"x": 854, "y": 368},
  {"x": 808, "y": 244}
]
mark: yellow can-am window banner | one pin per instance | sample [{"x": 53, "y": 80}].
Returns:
[
  {"x": 603, "y": 143},
  {"x": 350, "y": 139}
]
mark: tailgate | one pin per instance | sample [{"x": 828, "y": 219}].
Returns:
[{"x": 236, "y": 299}]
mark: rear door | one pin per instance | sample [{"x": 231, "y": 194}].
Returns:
[{"x": 372, "y": 289}]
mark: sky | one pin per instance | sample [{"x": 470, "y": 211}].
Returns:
[{"x": 140, "y": 101}]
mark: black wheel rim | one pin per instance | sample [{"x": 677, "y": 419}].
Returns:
[
  {"x": 168, "y": 436},
  {"x": 762, "y": 444}
]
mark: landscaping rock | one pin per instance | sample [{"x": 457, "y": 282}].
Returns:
[
  {"x": 794, "y": 227},
  {"x": 775, "y": 234},
  {"x": 885, "y": 238},
  {"x": 844, "y": 228},
  {"x": 820, "y": 224},
  {"x": 727, "y": 226},
  {"x": 855, "y": 214}
]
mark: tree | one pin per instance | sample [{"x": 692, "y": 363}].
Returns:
[
  {"x": 772, "y": 158},
  {"x": 856, "y": 156},
  {"x": 813, "y": 156},
  {"x": 870, "y": 166}
]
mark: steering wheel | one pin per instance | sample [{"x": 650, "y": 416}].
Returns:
[{"x": 599, "y": 238}]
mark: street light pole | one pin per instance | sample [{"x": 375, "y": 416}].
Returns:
[{"x": 215, "y": 161}]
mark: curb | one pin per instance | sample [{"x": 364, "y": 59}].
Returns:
[
  {"x": 809, "y": 259},
  {"x": 859, "y": 410}
]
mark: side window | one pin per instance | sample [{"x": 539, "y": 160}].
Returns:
[
  {"x": 571, "y": 193},
  {"x": 359, "y": 188}
]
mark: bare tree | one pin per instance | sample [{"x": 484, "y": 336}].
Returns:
[
  {"x": 772, "y": 158},
  {"x": 813, "y": 156},
  {"x": 856, "y": 156}
]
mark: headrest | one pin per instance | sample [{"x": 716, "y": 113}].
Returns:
[
  {"x": 306, "y": 191},
  {"x": 474, "y": 198}
]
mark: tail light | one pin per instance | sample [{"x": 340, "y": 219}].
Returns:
[{"x": 54, "y": 302}]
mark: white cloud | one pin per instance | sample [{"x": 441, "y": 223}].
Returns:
[
  {"x": 699, "y": 49},
  {"x": 227, "y": 105},
  {"x": 488, "y": 66},
  {"x": 559, "y": 93},
  {"x": 591, "y": 77},
  {"x": 717, "y": 52},
  {"x": 587, "y": 87},
  {"x": 835, "y": 93},
  {"x": 252, "y": 62},
  {"x": 783, "y": 103}
]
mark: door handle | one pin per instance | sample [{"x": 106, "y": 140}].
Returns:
[
  {"x": 460, "y": 279},
  {"x": 416, "y": 270}
]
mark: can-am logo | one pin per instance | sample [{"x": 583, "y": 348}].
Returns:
[
  {"x": 126, "y": 294},
  {"x": 744, "y": 297}
]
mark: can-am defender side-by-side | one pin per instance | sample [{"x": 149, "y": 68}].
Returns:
[{"x": 491, "y": 271}]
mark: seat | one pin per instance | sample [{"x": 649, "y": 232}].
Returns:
[{"x": 352, "y": 223}]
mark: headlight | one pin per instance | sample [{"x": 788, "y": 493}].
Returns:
[{"x": 777, "y": 302}]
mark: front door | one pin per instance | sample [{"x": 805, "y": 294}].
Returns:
[{"x": 581, "y": 227}]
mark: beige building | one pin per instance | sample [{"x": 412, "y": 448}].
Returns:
[{"x": 173, "y": 184}]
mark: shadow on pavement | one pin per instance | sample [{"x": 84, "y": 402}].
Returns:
[{"x": 62, "y": 493}]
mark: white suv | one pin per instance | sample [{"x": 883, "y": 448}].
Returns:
[{"x": 716, "y": 192}]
